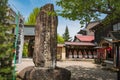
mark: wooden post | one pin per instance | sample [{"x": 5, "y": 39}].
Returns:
[
  {"x": 118, "y": 60},
  {"x": 63, "y": 53}
]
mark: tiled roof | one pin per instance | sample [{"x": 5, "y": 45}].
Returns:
[
  {"x": 80, "y": 43},
  {"x": 85, "y": 38},
  {"x": 29, "y": 30}
]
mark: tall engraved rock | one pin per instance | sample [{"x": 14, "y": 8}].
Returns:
[{"x": 45, "y": 47}]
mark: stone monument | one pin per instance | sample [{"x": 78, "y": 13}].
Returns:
[
  {"x": 45, "y": 49},
  {"x": 45, "y": 38}
]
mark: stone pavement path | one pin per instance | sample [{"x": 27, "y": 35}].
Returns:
[{"x": 81, "y": 70}]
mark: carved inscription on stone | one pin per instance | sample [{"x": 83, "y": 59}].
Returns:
[{"x": 45, "y": 47}]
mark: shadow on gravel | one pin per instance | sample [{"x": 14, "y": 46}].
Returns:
[{"x": 82, "y": 73}]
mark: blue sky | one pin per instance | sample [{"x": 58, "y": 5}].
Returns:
[{"x": 25, "y": 7}]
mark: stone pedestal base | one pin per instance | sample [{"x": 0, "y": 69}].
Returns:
[{"x": 38, "y": 73}]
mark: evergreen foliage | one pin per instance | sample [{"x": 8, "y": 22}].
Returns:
[
  {"x": 32, "y": 17},
  {"x": 6, "y": 43},
  {"x": 66, "y": 35}
]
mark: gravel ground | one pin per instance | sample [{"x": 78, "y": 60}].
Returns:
[
  {"x": 87, "y": 70},
  {"x": 81, "y": 70}
]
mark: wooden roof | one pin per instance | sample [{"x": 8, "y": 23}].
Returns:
[{"x": 84, "y": 38}]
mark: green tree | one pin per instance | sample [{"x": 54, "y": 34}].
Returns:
[
  {"x": 25, "y": 49},
  {"x": 87, "y": 10},
  {"x": 60, "y": 39},
  {"x": 32, "y": 17},
  {"x": 66, "y": 35},
  {"x": 6, "y": 43}
]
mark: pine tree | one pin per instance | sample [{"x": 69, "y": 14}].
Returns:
[
  {"x": 66, "y": 36},
  {"x": 6, "y": 44}
]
